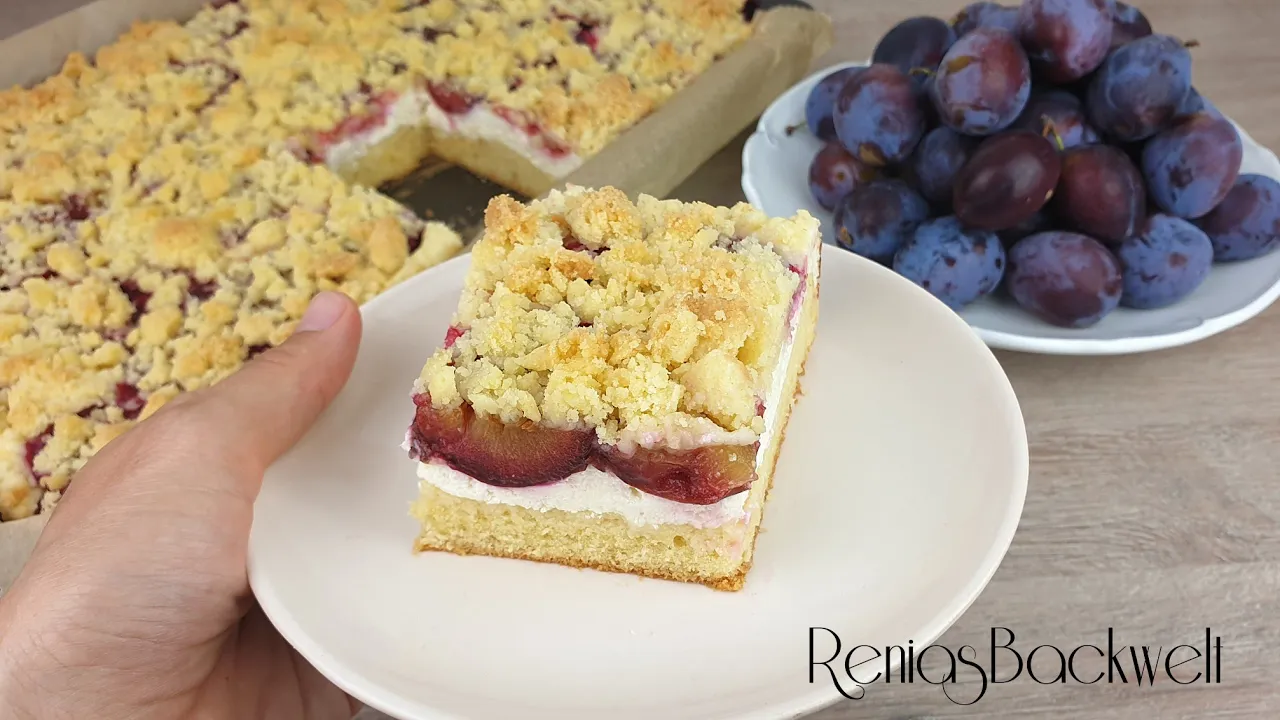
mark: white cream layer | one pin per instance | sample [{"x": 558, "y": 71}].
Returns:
[
  {"x": 596, "y": 491},
  {"x": 416, "y": 108},
  {"x": 591, "y": 491}
]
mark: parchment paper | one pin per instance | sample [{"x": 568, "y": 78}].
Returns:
[{"x": 654, "y": 157}]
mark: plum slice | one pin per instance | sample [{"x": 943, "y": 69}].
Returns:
[
  {"x": 77, "y": 208},
  {"x": 588, "y": 32},
  {"x": 497, "y": 453},
  {"x": 137, "y": 297},
  {"x": 452, "y": 334},
  {"x": 33, "y": 447},
  {"x": 201, "y": 289},
  {"x": 452, "y": 100},
  {"x": 373, "y": 118},
  {"x": 130, "y": 400},
  {"x": 701, "y": 476}
]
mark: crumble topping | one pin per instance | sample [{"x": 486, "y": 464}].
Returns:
[
  {"x": 653, "y": 317},
  {"x": 107, "y": 317},
  {"x": 160, "y": 222},
  {"x": 259, "y": 72}
]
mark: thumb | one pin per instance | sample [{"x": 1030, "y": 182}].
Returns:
[{"x": 268, "y": 405}]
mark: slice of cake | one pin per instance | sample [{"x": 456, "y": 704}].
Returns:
[{"x": 615, "y": 386}]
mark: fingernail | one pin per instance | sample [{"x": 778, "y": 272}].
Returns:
[{"x": 323, "y": 312}]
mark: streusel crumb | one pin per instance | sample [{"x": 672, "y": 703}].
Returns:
[{"x": 586, "y": 309}]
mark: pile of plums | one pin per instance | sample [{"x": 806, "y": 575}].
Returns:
[{"x": 1056, "y": 150}]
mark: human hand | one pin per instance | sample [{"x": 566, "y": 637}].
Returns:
[{"x": 136, "y": 603}]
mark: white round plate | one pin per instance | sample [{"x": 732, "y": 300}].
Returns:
[
  {"x": 897, "y": 493},
  {"x": 775, "y": 178}
]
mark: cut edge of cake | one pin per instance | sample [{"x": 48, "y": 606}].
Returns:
[{"x": 718, "y": 556}]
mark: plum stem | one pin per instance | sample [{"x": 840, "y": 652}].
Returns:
[
  {"x": 926, "y": 72},
  {"x": 1191, "y": 44},
  {"x": 1051, "y": 129}
]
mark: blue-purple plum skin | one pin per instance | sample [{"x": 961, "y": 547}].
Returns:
[
  {"x": 1066, "y": 279},
  {"x": 1167, "y": 260},
  {"x": 1190, "y": 167},
  {"x": 1246, "y": 224},
  {"x": 955, "y": 264},
  {"x": 821, "y": 103},
  {"x": 875, "y": 219}
]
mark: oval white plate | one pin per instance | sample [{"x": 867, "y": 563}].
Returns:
[
  {"x": 775, "y": 172},
  {"x": 896, "y": 496}
]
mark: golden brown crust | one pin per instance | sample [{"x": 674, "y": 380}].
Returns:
[{"x": 730, "y": 583}]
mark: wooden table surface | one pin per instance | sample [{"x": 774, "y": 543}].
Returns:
[{"x": 1154, "y": 500}]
